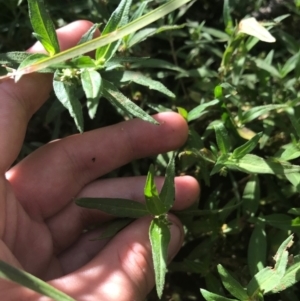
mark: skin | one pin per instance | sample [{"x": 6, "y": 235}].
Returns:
[{"x": 41, "y": 228}]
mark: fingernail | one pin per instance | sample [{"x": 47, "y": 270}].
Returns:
[{"x": 176, "y": 238}]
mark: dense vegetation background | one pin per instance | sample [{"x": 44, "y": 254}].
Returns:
[{"x": 246, "y": 216}]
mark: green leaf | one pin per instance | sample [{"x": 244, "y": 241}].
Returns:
[
  {"x": 294, "y": 120},
  {"x": 167, "y": 194},
  {"x": 91, "y": 83},
  {"x": 251, "y": 196},
  {"x": 117, "y": 19},
  {"x": 222, "y": 138},
  {"x": 255, "y": 112},
  {"x": 83, "y": 62},
  {"x": 198, "y": 111},
  {"x": 227, "y": 17},
  {"x": 159, "y": 234},
  {"x": 257, "y": 249},
  {"x": 281, "y": 221},
  {"x": 214, "y": 297},
  {"x": 253, "y": 164},
  {"x": 231, "y": 284},
  {"x": 154, "y": 203},
  {"x": 25, "y": 279},
  {"x": 111, "y": 93},
  {"x": 103, "y": 40},
  {"x": 117, "y": 207},
  {"x": 267, "y": 67},
  {"x": 281, "y": 256},
  {"x": 148, "y": 32},
  {"x": 264, "y": 281},
  {"x": 68, "y": 96},
  {"x": 118, "y": 77},
  {"x": 291, "y": 276},
  {"x": 246, "y": 148},
  {"x": 113, "y": 227},
  {"x": 290, "y": 65},
  {"x": 288, "y": 152},
  {"x": 13, "y": 59},
  {"x": 89, "y": 35},
  {"x": 32, "y": 58},
  {"x": 43, "y": 26}
]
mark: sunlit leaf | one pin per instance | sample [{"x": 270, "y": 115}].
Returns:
[
  {"x": 198, "y": 111},
  {"x": 25, "y": 279},
  {"x": 222, "y": 138},
  {"x": 159, "y": 234},
  {"x": 264, "y": 281},
  {"x": 117, "y": 19},
  {"x": 231, "y": 284},
  {"x": 43, "y": 27},
  {"x": 214, "y": 297},
  {"x": 246, "y": 148},
  {"x": 154, "y": 203}
]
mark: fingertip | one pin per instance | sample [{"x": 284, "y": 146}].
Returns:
[
  {"x": 177, "y": 125},
  {"x": 187, "y": 192}
]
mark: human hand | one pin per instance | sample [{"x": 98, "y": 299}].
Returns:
[{"x": 41, "y": 229}]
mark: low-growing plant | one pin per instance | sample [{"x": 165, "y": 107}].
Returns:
[{"x": 240, "y": 97}]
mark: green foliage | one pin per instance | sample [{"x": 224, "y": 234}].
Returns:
[
  {"x": 240, "y": 97},
  {"x": 9, "y": 272}
]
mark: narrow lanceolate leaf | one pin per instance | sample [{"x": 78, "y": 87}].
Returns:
[
  {"x": 291, "y": 276},
  {"x": 91, "y": 84},
  {"x": 281, "y": 256},
  {"x": 13, "y": 59},
  {"x": 43, "y": 26},
  {"x": 159, "y": 234},
  {"x": 222, "y": 138},
  {"x": 246, "y": 148},
  {"x": 251, "y": 196},
  {"x": 255, "y": 112},
  {"x": 257, "y": 249},
  {"x": 66, "y": 94},
  {"x": 89, "y": 35},
  {"x": 112, "y": 94},
  {"x": 118, "y": 18},
  {"x": 116, "y": 207},
  {"x": 227, "y": 17},
  {"x": 167, "y": 194},
  {"x": 254, "y": 164},
  {"x": 198, "y": 111},
  {"x": 138, "y": 78},
  {"x": 264, "y": 281},
  {"x": 154, "y": 204},
  {"x": 208, "y": 296},
  {"x": 11, "y": 273},
  {"x": 231, "y": 284}
]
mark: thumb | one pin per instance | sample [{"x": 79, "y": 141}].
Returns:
[{"x": 124, "y": 268}]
